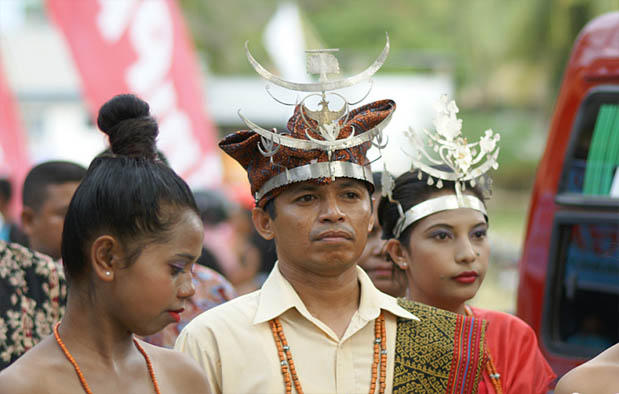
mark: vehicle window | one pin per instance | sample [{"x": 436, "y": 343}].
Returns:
[
  {"x": 583, "y": 303},
  {"x": 593, "y": 157}
]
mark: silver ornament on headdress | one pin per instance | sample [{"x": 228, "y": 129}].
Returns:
[
  {"x": 326, "y": 123},
  {"x": 446, "y": 147}
]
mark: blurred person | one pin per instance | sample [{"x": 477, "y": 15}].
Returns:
[
  {"x": 386, "y": 276},
  {"x": 46, "y": 195},
  {"x": 599, "y": 375},
  {"x": 214, "y": 210},
  {"x": 9, "y": 229},
  {"x": 32, "y": 299},
  {"x": 436, "y": 224},
  {"x": 227, "y": 235},
  {"x": 5, "y": 202},
  {"x": 127, "y": 254}
]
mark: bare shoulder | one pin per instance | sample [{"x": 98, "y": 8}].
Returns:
[
  {"x": 10, "y": 381},
  {"x": 42, "y": 367},
  {"x": 599, "y": 375},
  {"x": 176, "y": 370}
]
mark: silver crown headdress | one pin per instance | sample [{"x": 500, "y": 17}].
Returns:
[
  {"x": 326, "y": 123},
  {"x": 445, "y": 155}
]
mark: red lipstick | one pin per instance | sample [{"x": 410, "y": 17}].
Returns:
[
  {"x": 466, "y": 277},
  {"x": 176, "y": 315}
]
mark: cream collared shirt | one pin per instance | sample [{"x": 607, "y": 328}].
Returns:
[{"x": 234, "y": 344}]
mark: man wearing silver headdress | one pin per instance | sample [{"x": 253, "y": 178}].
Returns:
[{"x": 318, "y": 324}]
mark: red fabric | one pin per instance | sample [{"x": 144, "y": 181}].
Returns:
[
  {"x": 513, "y": 347},
  {"x": 142, "y": 47},
  {"x": 14, "y": 160},
  {"x": 463, "y": 374}
]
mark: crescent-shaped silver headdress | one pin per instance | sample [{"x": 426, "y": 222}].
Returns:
[{"x": 323, "y": 125}]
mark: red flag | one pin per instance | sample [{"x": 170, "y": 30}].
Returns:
[
  {"x": 142, "y": 47},
  {"x": 14, "y": 161}
]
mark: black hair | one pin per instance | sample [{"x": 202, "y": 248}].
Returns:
[
  {"x": 269, "y": 208},
  {"x": 213, "y": 206},
  {"x": 409, "y": 190},
  {"x": 160, "y": 155},
  {"x": 130, "y": 194},
  {"x": 45, "y": 174},
  {"x": 376, "y": 178},
  {"x": 6, "y": 190}
]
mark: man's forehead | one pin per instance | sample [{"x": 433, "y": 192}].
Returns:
[
  {"x": 59, "y": 192},
  {"x": 314, "y": 186}
]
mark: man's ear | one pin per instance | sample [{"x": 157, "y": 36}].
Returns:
[
  {"x": 105, "y": 257},
  {"x": 397, "y": 252},
  {"x": 262, "y": 222},
  {"x": 372, "y": 221},
  {"x": 27, "y": 219}
]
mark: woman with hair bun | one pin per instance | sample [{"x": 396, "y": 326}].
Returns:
[
  {"x": 131, "y": 236},
  {"x": 436, "y": 224}
]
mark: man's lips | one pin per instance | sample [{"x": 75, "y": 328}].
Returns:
[
  {"x": 176, "y": 314},
  {"x": 380, "y": 273},
  {"x": 333, "y": 236},
  {"x": 378, "y": 268},
  {"x": 466, "y": 277}
]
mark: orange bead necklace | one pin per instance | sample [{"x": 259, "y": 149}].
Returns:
[
  {"x": 290, "y": 373},
  {"x": 495, "y": 377},
  {"x": 80, "y": 375}
]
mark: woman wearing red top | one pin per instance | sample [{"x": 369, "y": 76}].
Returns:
[{"x": 436, "y": 224}]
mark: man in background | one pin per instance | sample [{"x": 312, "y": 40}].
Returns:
[
  {"x": 6, "y": 192},
  {"x": 386, "y": 276},
  {"x": 47, "y": 192}
]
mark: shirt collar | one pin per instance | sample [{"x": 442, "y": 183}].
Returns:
[{"x": 277, "y": 296}]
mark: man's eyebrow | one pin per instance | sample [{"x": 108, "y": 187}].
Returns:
[
  {"x": 351, "y": 182},
  {"x": 308, "y": 187}
]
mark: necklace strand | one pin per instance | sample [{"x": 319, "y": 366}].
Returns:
[
  {"x": 289, "y": 371},
  {"x": 495, "y": 377},
  {"x": 80, "y": 375}
]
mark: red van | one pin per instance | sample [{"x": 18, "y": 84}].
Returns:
[{"x": 569, "y": 270}]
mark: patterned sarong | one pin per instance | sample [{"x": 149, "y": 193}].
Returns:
[{"x": 441, "y": 353}]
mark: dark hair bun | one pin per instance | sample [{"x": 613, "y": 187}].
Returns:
[{"x": 132, "y": 131}]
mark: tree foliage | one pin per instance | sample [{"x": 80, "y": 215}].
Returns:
[{"x": 500, "y": 52}]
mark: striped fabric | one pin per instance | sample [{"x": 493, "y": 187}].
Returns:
[
  {"x": 468, "y": 354},
  {"x": 441, "y": 353}
]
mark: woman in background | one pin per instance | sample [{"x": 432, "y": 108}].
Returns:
[{"x": 131, "y": 235}]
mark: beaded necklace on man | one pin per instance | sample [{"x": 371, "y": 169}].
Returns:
[
  {"x": 290, "y": 373},
  {"x": 80, "y": 375}
]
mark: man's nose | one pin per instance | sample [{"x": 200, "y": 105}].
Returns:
[{"x": 330, "y": 210}]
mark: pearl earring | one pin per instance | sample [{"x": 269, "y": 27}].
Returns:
[
  {"x": 404, "y": 265},
  {"x": 108, "y": 273}
]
